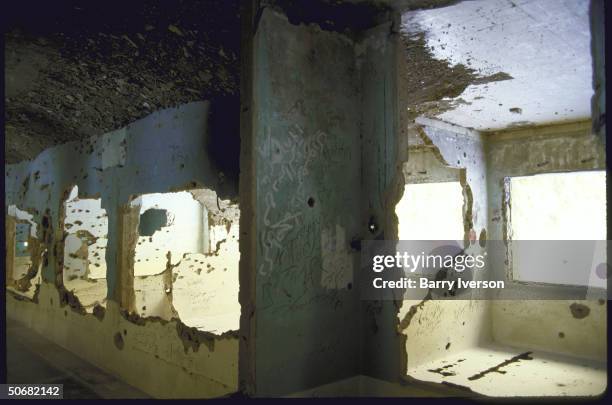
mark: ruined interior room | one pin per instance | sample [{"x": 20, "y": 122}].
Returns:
[{"x": 192, "y": 189}]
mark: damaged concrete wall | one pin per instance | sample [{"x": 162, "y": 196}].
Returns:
[
  {"x": 165, "y": 152},
  {"x": 85, "y": 225},
  {"x": 186, "y": 259},
  {"x": 439, "y": 328},
  {"x": 598, "y": 47},
  {"x": 23, "y": 259},
  {"x": 382, "y": 184},
  {"x": 307, "y": 153},
  {"x": 549, "y": 325},
  {"x": 310, "y": 110},
  {"x": 454, "y": 342}
]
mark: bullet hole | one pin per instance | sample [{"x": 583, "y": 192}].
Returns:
[
  {"x": 448, "y": 345},
  {"x": 579, "y": 311},
  {"x": 516, "y": 110},
  {"x": 118, "y": 340},
  {"x": 311, "y": 202},
  {"x": 99, "y": 312},
  {"x": 45, "y": 221},
  {"x": 124, "y": 332},
  {"x": 561, "y": 335},
  {"x": 349, "y": 286},
  {"x": 144, "y": 308},
  {"x": 483, "y": 238}
]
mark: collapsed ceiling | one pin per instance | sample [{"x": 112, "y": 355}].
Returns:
[
  {"x": 541, "y": 48},
  {"x": 79, "y": 69}
]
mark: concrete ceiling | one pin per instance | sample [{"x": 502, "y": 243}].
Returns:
[
  {"x": 544, "y": 45},
  {"x": 80, "y": 69}
]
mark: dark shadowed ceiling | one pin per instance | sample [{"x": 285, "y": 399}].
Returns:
[{"x": 75, "y": 69}]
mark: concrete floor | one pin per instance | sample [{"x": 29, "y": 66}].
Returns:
[
  {"x": 33, "y": 359},
  {"x": 489, "y": 370}
]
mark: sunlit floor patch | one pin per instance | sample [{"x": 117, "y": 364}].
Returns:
[{"x": 505, "y": 371}]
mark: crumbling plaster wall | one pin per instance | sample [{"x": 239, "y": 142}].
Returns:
[
  {"x": 85, "y": 240},
  {"x": 598, "y": 51},
  {"x": 23, "y": 259},
  {"x": 547, "y": 325},
  {"x": 438, "y": 328},
  {"x": 163, "y": 152}
]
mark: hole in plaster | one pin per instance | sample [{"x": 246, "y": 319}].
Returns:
[
  {"x": 579, "y": 311},
  {"x": 186, "y": 259},
  {"x": 85, "y": 241},
  {"x": 118, "y": 340},
  {"x": 483, "y": 238},
  {"x": 24, "y": 274},
  {"x": 311, "y": 202}
]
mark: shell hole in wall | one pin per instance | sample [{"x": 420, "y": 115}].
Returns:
[
  {"x": 24, "y": 273},
  {"x": 86, "y": 237},
  {"x": 186, "y": 259}
]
